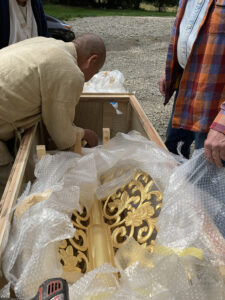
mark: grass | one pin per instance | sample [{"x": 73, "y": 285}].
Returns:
[{"x": 69, "y": 12}]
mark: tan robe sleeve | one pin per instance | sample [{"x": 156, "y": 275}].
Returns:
[{"x": 61, "y": 87}]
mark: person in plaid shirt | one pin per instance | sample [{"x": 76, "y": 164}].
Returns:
[{"x": 195, "y": 69}]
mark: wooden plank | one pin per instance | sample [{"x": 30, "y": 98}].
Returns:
[
  {"x": 105, "y": 135},
  {"x": 150, "y": 130},
  {"x": 77, "y": 147},
  {"x": 116, "y": 122},
  {"x": 89, "y": 116},
  {"x": 129, "y": 111},
  {"x": 137, "y": 125},
  {"x": 41, "y": 151},
  {"x": 105, "y": 97},
  {"x": 15, "y": 180},
  {"x": 137, "y": 109},
  {"x": 107, "y": 116},
  {"x": 99, "y": 95},
  {"x": 119, "y": 121}
]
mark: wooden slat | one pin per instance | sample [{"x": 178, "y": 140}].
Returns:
[
  {"x": 105, "y": 97},
  {"x": 137, "y": 109},
  {"x": 41, "y": 151},
  {"x": 150, "y": 130},
  {"x": 105, "y": 135},
  {"x": 89, "y": 115},
  {"x": 128, "y": 114},
  {"x": 77, "y": 147},
  {"x": 13, "y": 186},
  {"x": 107, "y": 116}
]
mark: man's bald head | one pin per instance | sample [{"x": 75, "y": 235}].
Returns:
[{"x": 91, "y": 54}]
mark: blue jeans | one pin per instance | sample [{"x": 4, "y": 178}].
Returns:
[
  {"x": 177, "y": 135},
  {"x": 200, "y": 138}
]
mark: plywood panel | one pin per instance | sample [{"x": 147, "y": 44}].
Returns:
[
  {"x": 89, "y": 115},
  {"x": 135, "y": 124},
  {"x": 115, "y": 121},
  {"x": 146, "y": 124}
]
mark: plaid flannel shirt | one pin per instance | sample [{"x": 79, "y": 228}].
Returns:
[{"x": 200, "y": 103}]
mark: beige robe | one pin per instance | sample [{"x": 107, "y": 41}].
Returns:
[{"x": 39, "y": 77}]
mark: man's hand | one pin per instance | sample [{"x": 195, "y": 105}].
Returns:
[
  {"x": 215, "y": 147},
  {"x": 162, "y": 85},
  {"x": 91, "y": 137}
]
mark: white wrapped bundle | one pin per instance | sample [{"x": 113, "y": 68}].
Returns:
[{"x": 106, "y": 82}]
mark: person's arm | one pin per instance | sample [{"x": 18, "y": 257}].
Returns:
[
  {"x": 162, "y": 85},
  {"x": 61, "y": 84},
  {"x": 58, "y": 117},
  {"x": 215, "y": 143}
]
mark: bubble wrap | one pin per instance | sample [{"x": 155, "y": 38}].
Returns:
[
  {"x": 100, "y": 282},
  {"x": 31, "y": 255},
  {"x": 137, "y": 152},
  {"x": 168, "y": 279},
  {"x": 65, "y": 169},
  {"x": 194, "y": 200},
  {"x": 155, "y": 276},
  {"x": 192, "y": 216},
  {"x": 106, "y": 82},
  {"x": 5, "y": 291}
]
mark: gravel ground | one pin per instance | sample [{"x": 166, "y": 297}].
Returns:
[{"x": 137, "y": 47}]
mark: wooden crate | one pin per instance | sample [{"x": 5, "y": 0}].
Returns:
[{"x": 95, "y": 112}]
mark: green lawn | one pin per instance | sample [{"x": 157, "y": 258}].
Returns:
[{"x": 68, "y": 12}]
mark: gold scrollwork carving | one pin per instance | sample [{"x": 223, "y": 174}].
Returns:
[
  {"x": 74, "y": 252},
  {"x": 132, "y": 211}
]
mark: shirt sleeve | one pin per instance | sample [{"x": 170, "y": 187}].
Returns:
[
  {"x": 61, "y": 87},
  {"x": 219, "y": 122}
]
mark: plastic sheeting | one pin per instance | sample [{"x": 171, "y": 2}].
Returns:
[
  {"x": 5, "y": 291},
  {"x": 194, "y": 201},
  {"x": 192, "y": 219},
  {"x": 106, "y": 82},
  {"x": 31, "y": 255}
]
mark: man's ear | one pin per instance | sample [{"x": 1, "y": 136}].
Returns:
[{"x": 91, "y": 60}]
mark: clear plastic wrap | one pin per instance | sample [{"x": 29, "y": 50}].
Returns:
[
  {"x": 101, "y": 283},
  {"x": 130, "y": 152},
  {"x": 189, "y": 246},
  {"x": 194, "y": 201},
  {"x": 31, "y": 255},
  {"x": 168, "y": 279},
  {"x": 5, "y": 291},
  {"x": 106, "y": 82}
]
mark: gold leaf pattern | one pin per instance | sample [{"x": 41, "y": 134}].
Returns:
[
  {"x": 131, "y": 211},
  {"x": 136, "y": 217}
]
